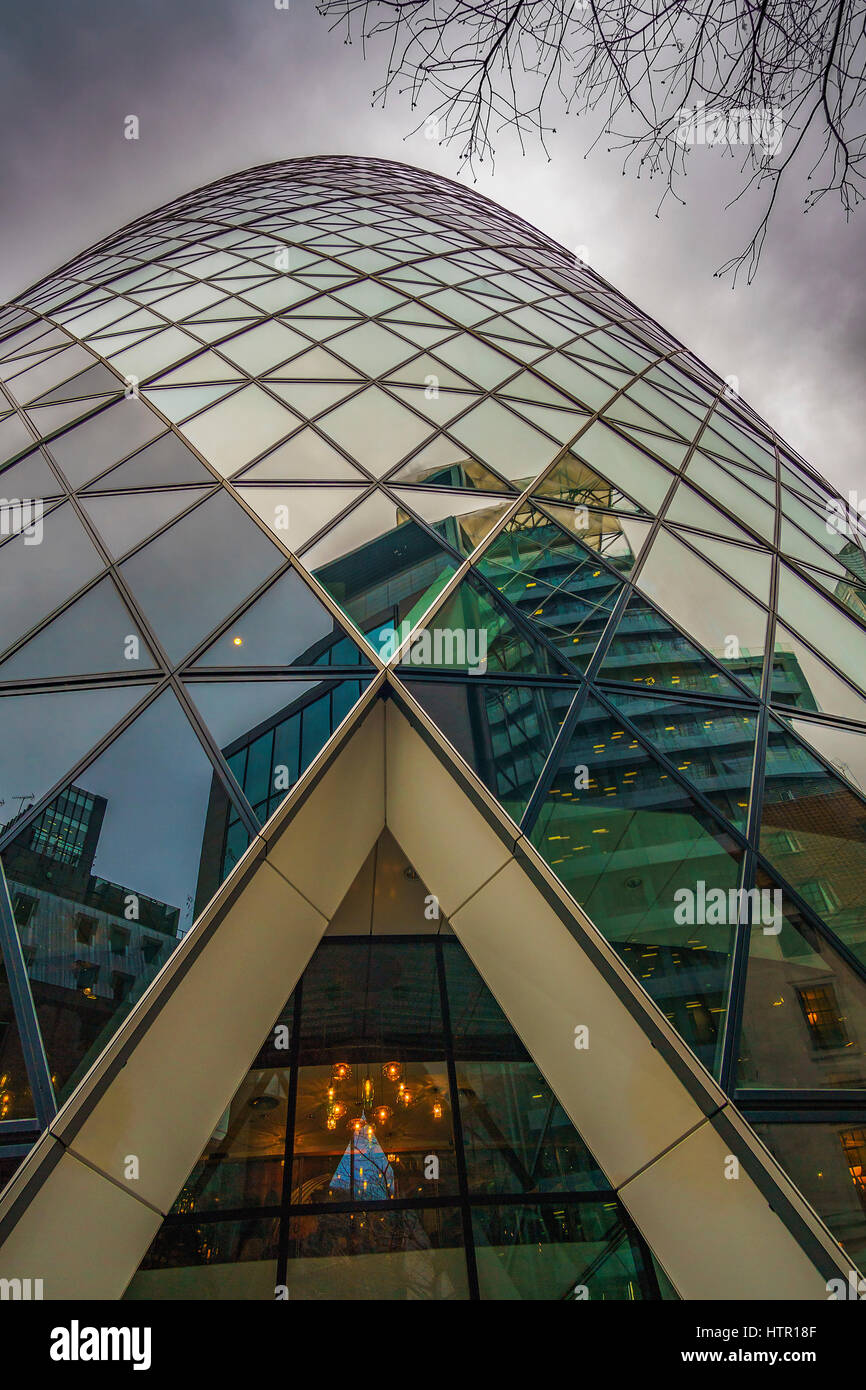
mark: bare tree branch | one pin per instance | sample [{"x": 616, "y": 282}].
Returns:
[{"x": 773, "y": 78}]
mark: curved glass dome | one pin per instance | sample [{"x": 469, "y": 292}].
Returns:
[{"x": 254, "y": 440}]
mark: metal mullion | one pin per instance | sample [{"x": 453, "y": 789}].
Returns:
[
  {"x": 813, "y": 919},
  {"x": 743, "y": 935},
  {"x": 648, "y": 1281},
  {"x": 739, "y": 703},
  {"x": 515, "y": 508},
  {"x": 413, "y": 298},
  {"x": 670, "y": 767},
  {"x": 551, "y": 762},
  {"x": 226, "y": 484},
  {"x": 153, "y": 690},
  {"x": 494, "y": 679},
  {"x": 289, "y": 1150},
  {"x": 457, "y": 1126},
  {"x": 24, "y": 1011},
  {"x": 205, "y": 738}
]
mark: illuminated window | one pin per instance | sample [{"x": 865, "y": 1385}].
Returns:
[
  {"x": 821, "y": 1012},
  {"x": 853, "y": 1143}
]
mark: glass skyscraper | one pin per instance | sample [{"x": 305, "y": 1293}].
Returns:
[{"x": 335, "y": 441}]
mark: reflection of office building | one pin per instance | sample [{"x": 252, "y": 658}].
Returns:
[
  {"x": 89, "y": 944},
  {"x": 429, "y": 631}
]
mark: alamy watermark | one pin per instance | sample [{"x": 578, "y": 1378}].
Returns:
[
  {"x": 703, "y": 906},
  {"x": 465, "y": 648},
  {"x": 755, "y": 125},
  {"x": 22, "y": 515},
  {"x": 846, "y": 518}
]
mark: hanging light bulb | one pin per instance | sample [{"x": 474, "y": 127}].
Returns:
[
  {"x": 404, "y": 1097},
  {"x": 367, "y": 1091},
  {"x": 392, "y": 1071},
  {"x": 437, "y": 1110},
  {"x": 340, "y": 1071},
  {"x": 382, "y": 1114}
]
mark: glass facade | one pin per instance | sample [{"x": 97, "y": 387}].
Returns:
[
  {"x": 332, "y": 414},
  {"x": 394, "y": 1140}
]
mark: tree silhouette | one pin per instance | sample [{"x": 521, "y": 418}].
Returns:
[{"x": 771, "y": 79}]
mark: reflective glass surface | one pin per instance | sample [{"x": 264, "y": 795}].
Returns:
[
  {"x": 389, "y": 1099},
  {"x": 368, "y": 399}
]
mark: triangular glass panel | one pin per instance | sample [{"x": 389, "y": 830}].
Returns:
[
  {"x": 124, "y": 521},
  {"x": 104, "y": 439},
  {"x": 179, "y": 402},
  {"x": 712, "y": 747},
  {"x": 46, "y": 734},
  {"x": 296, "y": 514},
  {"x": 474, "y": 632},
  {"x": 563, "y": 425},
  {"x": 47, "y": 561},
  {"x": 119, "y": 861},
  {"x": 689, "y": 508},
  {"x": 165, "y": 461},
  {"x": 371, "y": 348},
  {"x": 270, "y": 731},
  {"x": 556, "y": 583},
  {"x": 204, "y": 369},
  {"x": 439, "y": 405},
  {"x": 315, "y": 365},
  {"x": 804, "y": 1011},
  {"x": 812, "y": 835},
  {"x": 648, "y": 650},
  {"x": 94, "y": 635},
  {"x": 237, "y": 429},
  {"x": 190, "y": 558},
  {"x": 706, "y": 605},
  {"x": 428, "y": 371},
  {"x": 800, "y": 678},
  {"x": 852, "y": 596},
  {"x": 621, "y": 463},
  {"x": 30, "y": 477},
  {"x": 97, "y": 380},
  {"x": 461, "y": 519},
  {"x": 573, "y": 482},
  {"x": 374, "y": 430},
  {"x": 309, "y": 398},
  {"x": 618, "y": 538},
  {"x": 286, "y": 626},
  {"x": 843, "y": 748},
  {"x": 443, "y": 463},
  {"x": 306, "y": 457},
  {"x": 747, "y": 564},
  {"x": 262, "y": 348},
  {"x": 502, "y": 440},
  {"x": 502, "y": 730},
  {"x": 380, "y": 567},
  {"x": 830, "y": 630},
  {"x": 48, "y": 418},
  {"x": 651, "y": 867},
  {"x": 740, "y": 501},
  {"x": 14, "y": 436}
]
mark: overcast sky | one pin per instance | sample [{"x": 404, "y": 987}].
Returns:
[{"x": 219, "y": 85}]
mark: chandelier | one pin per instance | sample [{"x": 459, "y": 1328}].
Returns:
[{"x": 368, "y": 1104}]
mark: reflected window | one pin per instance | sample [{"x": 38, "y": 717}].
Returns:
[{"x": 821, "y": 1012}]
